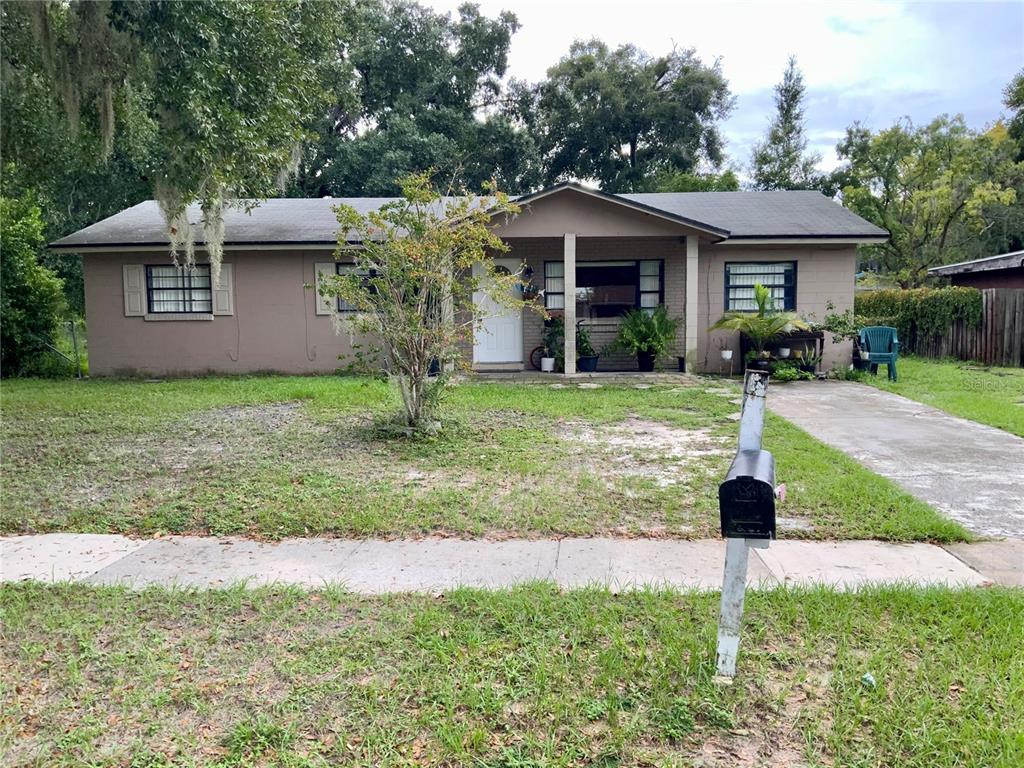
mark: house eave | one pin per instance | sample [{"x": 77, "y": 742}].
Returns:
[
  {"x": 805, "y": 240},
  {"x": 289, "y": 245}
]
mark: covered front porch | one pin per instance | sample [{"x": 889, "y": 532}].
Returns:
[{"x": 590, "y": 259}]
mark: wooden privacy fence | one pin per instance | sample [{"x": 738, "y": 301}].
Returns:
[{"x": 999, "y": 340}]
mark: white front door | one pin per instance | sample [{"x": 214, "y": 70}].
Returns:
[{"x": 498, "y": 338}]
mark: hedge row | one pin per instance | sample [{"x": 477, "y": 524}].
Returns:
[{"x": 921, "y": 311}]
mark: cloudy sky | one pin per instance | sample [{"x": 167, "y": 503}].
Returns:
[{"x": 862, "y": 60}]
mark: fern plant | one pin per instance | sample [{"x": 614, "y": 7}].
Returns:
[
  {"x": 763, "y": 325},
  {"x": 647, "y": 334}
]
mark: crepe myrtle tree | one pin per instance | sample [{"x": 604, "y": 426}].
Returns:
[{"x": 413, "y": 286}]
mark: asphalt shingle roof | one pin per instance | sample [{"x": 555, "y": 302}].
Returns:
[
  {"x": 311, "y": 221},
  {"x": 764, "y": 214}
]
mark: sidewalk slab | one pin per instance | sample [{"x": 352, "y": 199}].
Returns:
[
  {"x": 436, "y": 565},
  {"x": 196, "y": 561},
  {"x": 850, "y": 564},
  {"x": 623, "y": 564},
  {"x": 1001, "y": 561},
  {"x": 53, "y": 557}
]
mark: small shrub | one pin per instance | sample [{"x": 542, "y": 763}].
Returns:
[
  {"x": 31, "y": 296},
  {"x": 920, "y": 312}
]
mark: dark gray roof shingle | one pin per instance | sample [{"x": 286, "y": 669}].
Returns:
[
  {"x": 311, "y": 221},
  {"x": 764, "y": 214}
]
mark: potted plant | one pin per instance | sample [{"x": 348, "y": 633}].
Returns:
[
  {"x": 724, "y": 351},
  {"x": 587, "y": 356},
  {"x": 646, "y": 335},
  {"x": 554, "y": 340},
  {"x": 761, "y": 326}
]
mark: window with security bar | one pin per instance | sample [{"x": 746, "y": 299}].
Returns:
[
  {"x": 171, "y": 289},
  {"x": 778, "y": 277}
]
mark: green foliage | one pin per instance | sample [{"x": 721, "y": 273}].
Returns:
[
  {"x": 684, "y": 181},
  {"x": 421, "y": 78},
  {"x": 933, "y": 187},
  {"x": 31, "y": 296},
  {"x": 1013, "y": 99},
  {"x": 584, "y": 347},
  {"x": 762, "y": 325},
  {"x": 405, "y": 285},
  {"x": 781, "y": 161},
  {"x": 554, "y": 337},
  {"x": 217, "y": 95},
  {"x": 651, "y": 333},
  {"x": 920, "y": 312},
  {"x": 622, "y": 116},
  {"x": 789, "y": 370}
]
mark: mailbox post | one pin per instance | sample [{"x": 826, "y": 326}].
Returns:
[{"x": 746, "y": 502}]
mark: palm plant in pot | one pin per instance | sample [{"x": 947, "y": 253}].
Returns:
[
  {"x": 762, "y": 326},
  {"x": 646, "y": 335}
]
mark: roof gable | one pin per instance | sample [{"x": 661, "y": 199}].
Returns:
[{"x": 590, "y": 213}]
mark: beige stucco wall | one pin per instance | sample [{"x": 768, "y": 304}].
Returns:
[
  {"x": 586, "y": 215},
  {"x": 823, "y": 275},
  {"x": 275, "y": 326}
]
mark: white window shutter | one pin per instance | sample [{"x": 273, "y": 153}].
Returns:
[
  {"x": 134, "y": 290},
  {"x": 224, "y": 291},
  {"x": 324, "y": 304}
]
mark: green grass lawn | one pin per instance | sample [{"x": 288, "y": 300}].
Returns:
[
  {"x": 289, "y": 456},
  {"x": 529, "y": 677},
  {"x": 993, "y": 396}
]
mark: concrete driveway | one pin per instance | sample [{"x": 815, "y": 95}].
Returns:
[{"x": 973, "y": 473}]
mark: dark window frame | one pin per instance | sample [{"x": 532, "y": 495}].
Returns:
[
  {"x": 789, "y": 289},
  {"x": 596, "y": 263},
  {"x": 186, "y": 290},
  {"x": 341, "y": 305}
]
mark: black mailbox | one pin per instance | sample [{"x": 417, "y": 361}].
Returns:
[{"x": 746, "y": 500}]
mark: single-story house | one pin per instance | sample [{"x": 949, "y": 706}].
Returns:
[
  {"x": 698, "y": 253},
  {"x": 1003, "y": 271}
]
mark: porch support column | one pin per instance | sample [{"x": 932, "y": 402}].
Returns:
[
  {"x": 569, "y": 257},
  {"x": 692, "y": 282}
]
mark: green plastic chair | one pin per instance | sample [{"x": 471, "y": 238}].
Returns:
[{"x": 882, "y": 347}]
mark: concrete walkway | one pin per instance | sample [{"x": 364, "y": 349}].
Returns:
[
  {"x": 436, "y": 565},
  {"x": 973, "y": 473}
]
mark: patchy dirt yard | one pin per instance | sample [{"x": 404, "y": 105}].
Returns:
[
  {"x": 636, "y": 447},
  {"x": 284, "y": 457}
]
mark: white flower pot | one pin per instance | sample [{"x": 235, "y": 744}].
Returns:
[
  {"x": 783, "y": 352},
  {"x": 547, "y": 364},
  {"x": 727, "y": 354}
]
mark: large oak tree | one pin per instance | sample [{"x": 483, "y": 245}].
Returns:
[{"x": 622, "y": 116}]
